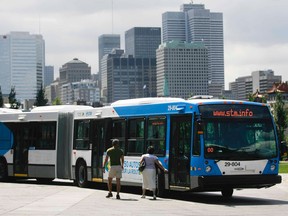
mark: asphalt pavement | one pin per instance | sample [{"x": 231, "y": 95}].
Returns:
[{"x": 62, "y": 198}]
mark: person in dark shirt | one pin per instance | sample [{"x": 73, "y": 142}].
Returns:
[{"x": 116, "y": 156}]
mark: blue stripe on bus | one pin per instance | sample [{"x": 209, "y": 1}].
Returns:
[
  {"x": 154, "y": 109},
  {"x": 6, "y": 139}
]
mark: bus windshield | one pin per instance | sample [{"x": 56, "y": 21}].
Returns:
[{"x": 239, "y": 138}]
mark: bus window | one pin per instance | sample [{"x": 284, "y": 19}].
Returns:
[
  {"x": 118, "y": 132},
  {"x": 136, "y": 136},
  {"x": 46, "y": 135},
  {"x": 156, "y": 134},
  {"x": 253, "y": 139},
  {"x": 81, "y": 140}
]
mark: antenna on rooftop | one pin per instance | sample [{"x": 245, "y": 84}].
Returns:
[
  {"x": 39, "y": 25},
  {"x": 112, "y": 16}
]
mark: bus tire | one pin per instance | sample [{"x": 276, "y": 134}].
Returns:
[
  {"x": 161, "y": 191},
  {"x": 3, "y": 170},
  {"x": 81, "y": 174},
  {"x": 227, "y": 192}
]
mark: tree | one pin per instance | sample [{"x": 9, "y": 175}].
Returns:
[
  {"x": 40, "y": 98},
  {"x": 257, "y": 97},
  {"x": 280, "y": 116},
  {"x": 1, "y": 98},
  {"x": 56, "y": 101},
  {"x": 14, "y": 104}
]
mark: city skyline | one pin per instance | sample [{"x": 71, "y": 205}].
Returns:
[{"x": 255, "y": 37}]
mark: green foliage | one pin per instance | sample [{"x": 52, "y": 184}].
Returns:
[
  {"x": 14, "y": 104},
  {"x": 280, "y": 116},
  {"x": 40, "y": 98},
  {"x": 56, "y": 101},
  {"x": 250, "y": 97},
  {"x": 262, "y": 99},
  {"x": 1, "y": 98},
  {"x": 283, "y": 167}
]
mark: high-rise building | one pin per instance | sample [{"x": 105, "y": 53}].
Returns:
[
  {"x": 142, "y": 42},
  {"x": 73, "y": 71},
  {"x": 261, "y": 81},
  {"x": 106, "y": 43},
  {"x": 126, "y": 77},
  {"x": 182, "y": 69},
  {"x": 48, "y": 75},
  {"x": 194, "y": 23},
  {"x": 22, "y": 62}
]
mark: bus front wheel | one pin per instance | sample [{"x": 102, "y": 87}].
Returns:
[
  {"x": 81, "y": 175},
  {"x": 227, "y": 192}
]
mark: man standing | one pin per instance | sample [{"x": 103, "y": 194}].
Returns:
[{"x": 116, "y": 156}]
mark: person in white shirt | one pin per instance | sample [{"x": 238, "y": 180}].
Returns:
[{"x": 149, "y": 173}]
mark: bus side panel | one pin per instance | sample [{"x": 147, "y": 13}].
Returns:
[
  {"x": 64, "y": 145},
  {"x": 6, "y": 144},
  {"x": 42, "y": 163}
]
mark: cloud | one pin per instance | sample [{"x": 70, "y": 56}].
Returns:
[
  {"x": 255, "y": 33},
  {"x": 244, "y": 58}
]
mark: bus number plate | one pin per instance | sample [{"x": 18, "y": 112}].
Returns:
[{"x": 233, "y": 164}]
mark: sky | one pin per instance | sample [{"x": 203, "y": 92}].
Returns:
[{"x": 255, "y": 32}]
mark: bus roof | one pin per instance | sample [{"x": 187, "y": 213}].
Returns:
[
  {"x": 58, "y": 108},
  {"x": 194, "y": 100},
  {"x": 150, "y": 100},
  {"x": 7, "y": 110},
  {"x": 223, "y": 101}
]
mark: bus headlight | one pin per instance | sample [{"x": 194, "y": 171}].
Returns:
[
  {"x": 208, "y": 169},
  {"x": 272, "y": 167}
]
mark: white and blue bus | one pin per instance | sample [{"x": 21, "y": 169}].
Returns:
[{"x": 206, "y": 144}]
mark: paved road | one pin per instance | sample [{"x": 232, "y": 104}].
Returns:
[{"x": 62, "y": 198}]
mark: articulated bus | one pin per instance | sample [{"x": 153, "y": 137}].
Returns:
[{"x": 206, "y": 144}]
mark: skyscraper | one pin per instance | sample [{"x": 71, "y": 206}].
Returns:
[
  {"x": 182, "y": 69},
  {"x": 22, "y": 62},
  {"x": 127, "y": 77},
  {"x": 142, "y": 42},
  {"x": 194, "y": 23},
  {"x": 106, "y": 43},
  {"x": 48, "y": 75}
]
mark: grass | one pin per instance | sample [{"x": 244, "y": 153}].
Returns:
[{"x": 283, "y": 167}]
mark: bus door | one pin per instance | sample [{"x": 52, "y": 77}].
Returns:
[
  {"x": 99, "y": 138},
  {"x": 21, "y": 148},
  {"x": 180, "y": 148}
]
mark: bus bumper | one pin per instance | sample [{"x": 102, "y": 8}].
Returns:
[{"x": 235, "y": 181}]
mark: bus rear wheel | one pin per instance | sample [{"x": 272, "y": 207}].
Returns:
[
  {"x": 227, "y": 192},
  {"x": 3, "y": 171},
  {"x": 81, "y": 175}
]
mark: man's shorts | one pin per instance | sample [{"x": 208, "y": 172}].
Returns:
[{"x": 115, "y": 171}]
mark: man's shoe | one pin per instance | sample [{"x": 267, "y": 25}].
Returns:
[
  {"x": 117, "y": 196},
  {"x": 109, "y": 195}
]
